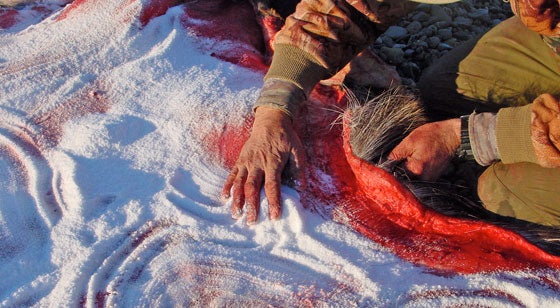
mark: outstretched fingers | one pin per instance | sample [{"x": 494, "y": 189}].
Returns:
[
  {"x": 245, "y": 188},
  {"x": 252, "y": 190},
  {"x": 272, "y": 192},
  {"x": 238, "y": 194},
  {"x": 226, "y": 190},
  {"x": 273, "y": 180}
]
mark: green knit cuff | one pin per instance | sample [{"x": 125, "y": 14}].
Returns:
[
  {"x": 513, "y": 133},
  {"x": 297, "y": 66}
]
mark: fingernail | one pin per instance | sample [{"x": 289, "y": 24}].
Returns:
[
  {"x": 274, "y": 214},
  {"x": 251, "y": 219}
]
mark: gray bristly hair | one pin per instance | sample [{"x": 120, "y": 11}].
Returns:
[{"x": 378, "y": 124}]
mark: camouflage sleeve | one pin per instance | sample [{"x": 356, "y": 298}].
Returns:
[{"x": 322, "y": 36}]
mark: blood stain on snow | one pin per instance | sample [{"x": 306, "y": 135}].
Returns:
[
  {"x": 156, "y": 8},
  {"x": 212, "y": 19},
  {"x": 8, "y": 17},
  {"x": 23, "y": 142},
  {"x": 464, "y": 294},
  {"x": 376, "y": 204},
  {"x": 134, "y": 242},
  {"x": 51, "y": 123},
  {"x": 70, "y": 9},
  {"x": 225, "y": 145},
  {"x": 205, "y": 279},
  {"x": 13, "y": 159},
  {"x": 24, "y": 139},
  {"x": 551, "y": 282}
]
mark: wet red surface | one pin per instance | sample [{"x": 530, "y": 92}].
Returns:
[
  {"x": 425, "y": 237},
  {"x": 156, "y": 8}
]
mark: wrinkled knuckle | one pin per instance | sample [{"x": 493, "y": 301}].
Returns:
[
  {"x": 239, "y": 181},
  {"x": 251, "y": 183},
  {"x": 270, "y": 185},
  {"x": 233, "y": 171},
  {"x": 417, "y": 169},
  {"x": 238, "y": 200},
  {"x": 251, "y": 207},
  {"x": 554, "y": 137}
]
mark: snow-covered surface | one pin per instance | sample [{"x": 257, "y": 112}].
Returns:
[{"x": 109, "y": 195}]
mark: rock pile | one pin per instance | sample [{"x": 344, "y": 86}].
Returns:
[{"x": 431, "y": 30}]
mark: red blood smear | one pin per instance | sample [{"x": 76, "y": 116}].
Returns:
[
  {"x": 82, "y": 6},
  {"x": 156, "y": 8},
  {"x": 225, "y": 145},
  {"x": 229, "y": 21},
  {"x": 425, "y": 237},
  {"x": 8, "y": 17},
  {"x": 70, "y": 9}
]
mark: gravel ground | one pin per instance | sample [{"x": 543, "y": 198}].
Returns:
[{"x": 431, "y": 30}]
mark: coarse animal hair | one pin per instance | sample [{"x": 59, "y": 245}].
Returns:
[{"x": 378, "y": 124}]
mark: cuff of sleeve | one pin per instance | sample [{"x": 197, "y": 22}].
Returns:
[
  {"x": 282, "y": 95},
  {"x": 513, "y": 134},
  {"x": 297, "y": 66},
  {"x": 482, "y": 135}
]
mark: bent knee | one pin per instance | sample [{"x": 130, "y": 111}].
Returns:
[{"x": 524, "y": 191}]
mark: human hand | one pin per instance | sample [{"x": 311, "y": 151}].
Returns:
[
  {"x": 272, "y": 145},
  {"x": 428, "y": 149},
  {"x": 545, "y": 130}
]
